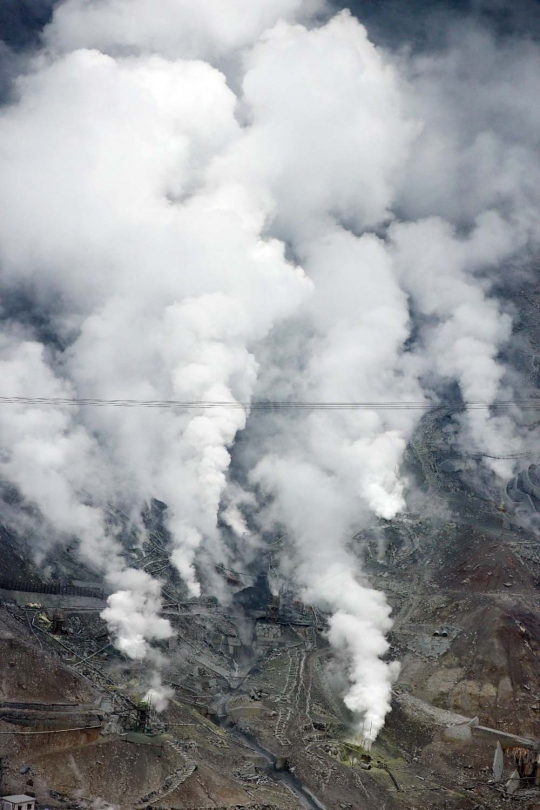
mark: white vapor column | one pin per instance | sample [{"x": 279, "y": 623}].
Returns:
[{"x": 232, "y": 199}]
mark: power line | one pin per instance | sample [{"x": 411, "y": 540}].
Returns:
[
  {"x": 52, "y": 730},
  {"x": 269, "y": 405}
]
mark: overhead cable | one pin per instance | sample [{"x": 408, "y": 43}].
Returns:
[{"x": 269, "y": 405}]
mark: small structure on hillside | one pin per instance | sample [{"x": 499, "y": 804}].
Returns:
[
  {"x": 19, "y": 802},
  {"x": 58, "y": 623},
  {"x": 272, "y": 610},
  {"x": 143, "y": 717}
]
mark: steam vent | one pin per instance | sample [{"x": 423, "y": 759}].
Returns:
[{"x": 269, "y": 405}]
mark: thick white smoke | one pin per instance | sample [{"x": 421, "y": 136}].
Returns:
[
  {"x": 159, "y": 694},
  {"x": 229, "y": 199},
  {"x": 164, "y": 287}
]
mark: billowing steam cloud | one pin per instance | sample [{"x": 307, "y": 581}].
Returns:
[{"x": 232, "y": 199}]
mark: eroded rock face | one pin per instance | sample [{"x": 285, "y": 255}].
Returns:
[
  {"x": 498, "y": 763},
  {"x": 513, "y": 783},
  {"x": 28, "y": 674}
]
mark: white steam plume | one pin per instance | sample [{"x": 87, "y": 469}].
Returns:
[
  {"x": 156, "y": 172},
  {"x": 159, "y": 694},
  {"x": 162, "y": 300}
]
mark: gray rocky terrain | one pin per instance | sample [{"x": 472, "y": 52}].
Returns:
[{"x": 256, "y": 718}]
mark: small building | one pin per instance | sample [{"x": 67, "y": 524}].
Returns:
[{"x": 18, "y": 802}]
